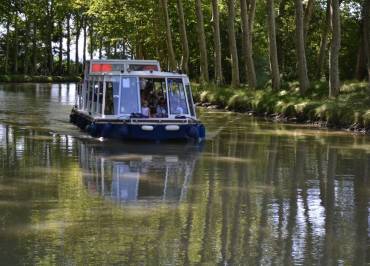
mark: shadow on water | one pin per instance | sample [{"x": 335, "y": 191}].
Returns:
[{"x": 256, "y": 193}]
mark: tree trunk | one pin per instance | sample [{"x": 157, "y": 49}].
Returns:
[
  {"x": 323, "y": 43},
  {"x": 15, "y": 43},
  {"x": 60, "y": 54},
  {"x": 108, "y": 49},
  {"x": 84, "y": 43},
  {"x": 235, "y": 81},
  {"x": 281, "y": 34},
  {"x": 78, "y": 31},
  {"x": 301, "y": 53},
  {"x": 26, "y": 48},
  {"x": 171, "y": 53},
  {"x": 274, "y": 64},
  {"x": 91, "y": 38},
  {"x": 217, "y": 42},
  {"x": 361, "y": 62},
  {"x": 334, "y": 83},
  {"x": 202, "y": 42},
  {"x": 68, "y": 45},
  {"x": 307, "y": 16},
  {"x": 6, "y": 66},
  {"x": 251, "y": 7},
  {"x": 34, "y": 47},
  {"x": 247, "y": 47},
  {"x": 100, "y": 47},
  {"x": 184, "y": 38},
  {"x": 50, "y": 57},
  {"x": 366, "y": 14}
]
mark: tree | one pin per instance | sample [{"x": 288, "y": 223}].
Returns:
[
  {"x": 334, "y": 83},
  {"x": 247, "y": 41},
  {"x": 171, "y": 53},
  {"x": 235, "y": 80},
  {"x": 68, "y": 44},
  {"x": 366, "y": 28},
  {"x": 217, "y": 42},
  {"x": 323, "y": 42},
  {"x": 301, "y": 52},
  {"x": 184, "y": 37},
  {"x": 77, "y": 36},
  {"x": 15, "y": 55},
  {"x": 307, "y": 16},
  {"x": 202, "y": 42},
  {"x": 274, "y": 65}
]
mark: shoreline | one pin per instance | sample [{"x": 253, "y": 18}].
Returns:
[
  {"x": 38, "y": 79},
  {"x": 350, "y": 111}
]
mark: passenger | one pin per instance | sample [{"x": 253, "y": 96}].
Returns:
[
  {"x": 161, "y": 108},
  {"x": 145, "y": 111},
  {"x": 179, "y": 110},
  {"x": 152, "y": 101}
]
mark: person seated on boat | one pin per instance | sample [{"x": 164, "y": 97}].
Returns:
[
  {"x": 179, "y": 110},
  {"x": 145, "y": 111},
  {"x": 176, "y": 107},
  {"x": 152, "y": 101},
  {"x": 161, "y": 108}
]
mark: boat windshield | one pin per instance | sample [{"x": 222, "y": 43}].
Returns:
[
  {"x": 129, "y": 98},
  {"x": 177, "y": 97},
  {"x": 153, "y": 97}
]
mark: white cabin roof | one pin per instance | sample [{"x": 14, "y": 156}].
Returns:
[{"x": 143, "y": 74}]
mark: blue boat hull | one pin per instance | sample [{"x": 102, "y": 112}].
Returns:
[{"x": 127, "y": 131}]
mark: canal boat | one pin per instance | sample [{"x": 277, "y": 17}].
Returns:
[{"x": 134, "y": 99}]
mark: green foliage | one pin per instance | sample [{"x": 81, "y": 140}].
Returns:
[
  {"x": 42, "y": 79},
  {"x": 33, "y": 30},
  {"x": 350, "y": 108}
]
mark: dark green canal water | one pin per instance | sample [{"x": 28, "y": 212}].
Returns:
[{"x": 255, "y": 193}]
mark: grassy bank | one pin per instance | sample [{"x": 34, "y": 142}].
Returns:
[
  {"x": 350, "y": 110},
  {"x": 40, "y": 79}
]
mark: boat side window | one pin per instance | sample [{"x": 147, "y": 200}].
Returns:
[
  {"x": 109, "y": 108},
  {"x": 190, "y": 99},
  {"x": 89, "y": 95},
  {"x": 100, "y": 97},
  {"x": 129, "y": 96},
  {"x": 95, "y": 97},
  {"x": 177, "y": 98}
]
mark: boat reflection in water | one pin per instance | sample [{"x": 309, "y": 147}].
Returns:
[{"x": 139, "y": 172}]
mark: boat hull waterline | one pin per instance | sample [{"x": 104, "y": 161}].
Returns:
[{"x": 132, "y": 129}]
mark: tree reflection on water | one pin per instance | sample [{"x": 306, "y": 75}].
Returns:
[{"x": 257, "y": 194}]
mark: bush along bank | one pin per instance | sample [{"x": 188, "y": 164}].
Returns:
[
  {"x": 38, "y": 79},
  {"x": 350, "y": 110}
]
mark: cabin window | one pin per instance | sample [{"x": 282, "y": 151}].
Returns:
[
  {"x": 89, "y": 95},
  {"x": 116, "y": 92},
  {"x": 190, "y": 99},
  {"x": 95, "y": 97},
  {"x": 129, "y": 96},
  {"x": 109, "y": 108},
  {"x": 177, "y": 98},
  {"x": 99, "y": 92},
  {"x": 153, "y": 94}
]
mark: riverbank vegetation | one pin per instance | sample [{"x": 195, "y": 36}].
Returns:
[
  {"x": 270, "y": 48},
  {"x": 350, "y": 110},
  {"x": 41, "y": 79}
]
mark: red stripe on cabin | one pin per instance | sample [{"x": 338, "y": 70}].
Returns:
[
  {"x": 101, "y": 68},
  {"x": 150, "y": 67},
  {"x": 106, "y": 68}
]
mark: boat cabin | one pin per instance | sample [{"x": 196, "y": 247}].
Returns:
[{"x": 127, "y": 88}]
